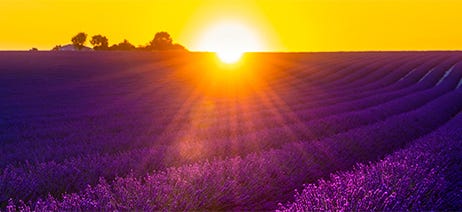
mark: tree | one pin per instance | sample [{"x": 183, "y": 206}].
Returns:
[
  {"x": 99, "y": 42},
  {"x": 125, "y": 45},
  {"x": 79, "y": 40},
  {"x": 161, "y": 41}
]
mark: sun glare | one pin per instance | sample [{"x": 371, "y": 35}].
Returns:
[
  {"x": 229, "y": 56},
  {"x": 229, "y": 40}
]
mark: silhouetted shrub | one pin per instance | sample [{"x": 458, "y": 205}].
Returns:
[
  {"x": 123, "y": 46},
  {"x": 79, "y": 40},
  {"x": 163, "y": 41},
  {"x": 99, "y": 42}
]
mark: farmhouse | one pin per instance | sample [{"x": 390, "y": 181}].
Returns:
[{"x": 71, "y": 47}]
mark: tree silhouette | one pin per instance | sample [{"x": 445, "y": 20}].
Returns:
[
  {"x": 99, "y": 42},
  {"x": 125, "y": 45},
  {"x": 79, "y": 40},
  {"x": 161, "y": 41}
]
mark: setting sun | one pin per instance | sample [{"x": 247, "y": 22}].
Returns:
[{"x": 229, "y": 40}]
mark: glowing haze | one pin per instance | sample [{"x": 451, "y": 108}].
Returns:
[{"x": 265, "y": 25}]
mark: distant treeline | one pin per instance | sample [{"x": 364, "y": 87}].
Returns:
[{"x": 161, "y": 41}]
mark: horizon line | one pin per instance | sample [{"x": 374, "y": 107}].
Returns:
[{"x": 189, "y": 51}]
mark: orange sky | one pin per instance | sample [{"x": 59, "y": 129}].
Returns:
[{"x": 280, "y": 25}]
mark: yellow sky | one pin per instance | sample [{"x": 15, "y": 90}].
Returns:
[{"x": 281, "y": 25}]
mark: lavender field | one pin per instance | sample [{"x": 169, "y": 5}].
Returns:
[{"x": 278, "y": 131}]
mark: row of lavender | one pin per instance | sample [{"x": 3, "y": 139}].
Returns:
[
  {"x": 425, "y": 176},
  {"x": 82, "y": 170},
  {"x": 260, "y": 179}
]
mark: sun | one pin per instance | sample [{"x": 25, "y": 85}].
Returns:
[
  {"x": 230, "y": 40},
  {"x": 229, "y": 56}
]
